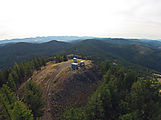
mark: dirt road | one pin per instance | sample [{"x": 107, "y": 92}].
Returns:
[
  {"x": 63, "y": 87},
  {"x": 47, "y": 113}
]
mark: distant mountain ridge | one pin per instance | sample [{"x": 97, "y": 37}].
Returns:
[
  {"x": 146, "y": 42},
  {"x": 44, "y": 39},
  {"x": 143, "y": 53}
]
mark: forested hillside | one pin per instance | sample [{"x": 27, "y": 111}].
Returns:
[
  {"x": 121, "y": 96},
  {"x": 12, "y": 107},
  {"x": 155, "y": 44},
  {"x": 142, "y": 53},
  {"x": 123, "y": 93},
  {"x": 135, "y": 53},
  {"x": 80, "y": 59},
  {"x": 20, "y": 52}
]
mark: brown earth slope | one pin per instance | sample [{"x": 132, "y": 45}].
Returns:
[{"x": 64, "y": 87}]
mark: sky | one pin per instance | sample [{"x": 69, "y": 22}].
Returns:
[{"x": 99, "y": 18}]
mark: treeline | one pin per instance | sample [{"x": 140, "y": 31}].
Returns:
[
  {"x": 19, "y": 73},
  {"x": 12, "y": 108},
  {"x": 30, "y": 105},
  {"x": 58, "y": 58},
  {"x": 120, "y": 96}
]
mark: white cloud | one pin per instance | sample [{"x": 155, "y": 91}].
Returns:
[{"x": 111, "y": 18}]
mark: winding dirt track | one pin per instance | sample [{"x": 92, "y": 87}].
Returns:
[
  {"x": 47, "y": 115},
  {"x": 63, "y": 87}
]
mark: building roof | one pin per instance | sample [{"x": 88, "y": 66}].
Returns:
[
  {"x": 74, "y": 63},
  {"x": 81, "y": 61}
]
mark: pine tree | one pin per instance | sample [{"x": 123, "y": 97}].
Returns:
[
  {"x": 7, "y": 98},
  {"x": 43, "y": 61},
  {"x": 130, "y": 78},
  {"x": 145, "y": 100},
  {"x": 3, "y": 77},
  {"x": 33, "y": 98},
  {"x": 20, "y": 112},
  {"x": 105, "y": 66},
  {"x": 65, "y": 58},
  {"x": 11, "y": 82}
]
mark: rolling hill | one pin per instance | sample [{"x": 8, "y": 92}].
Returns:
[
  {"x": 64, "y": 88},
  {"x": 124, "y": 51},
  {"x": 18, "y": 52},
  {"x": 155, "y": 44},
  {"x": 133, "y": 53}
]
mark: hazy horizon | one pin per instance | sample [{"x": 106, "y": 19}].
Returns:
[
  {"x": 139, "y": 19},
  {"x": 33, "y": 37}
]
